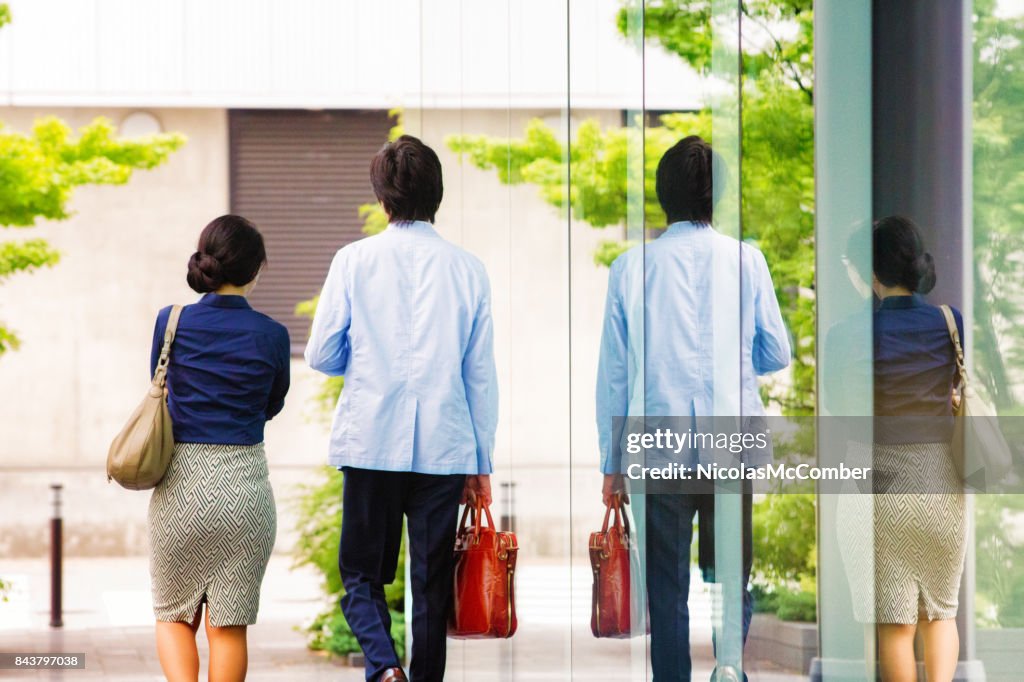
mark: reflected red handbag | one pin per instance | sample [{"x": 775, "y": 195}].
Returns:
[
  {"x": 609, "y": 559},
  {"x": 485, "y": 563}
]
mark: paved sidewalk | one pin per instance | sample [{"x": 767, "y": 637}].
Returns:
[{"x": 108, "y": 616}]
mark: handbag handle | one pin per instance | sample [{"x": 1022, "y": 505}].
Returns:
[
  {"x": 160, "y": 375},
  {"x": 478, "y": 509},
  {"x": 621, "y": 520}
]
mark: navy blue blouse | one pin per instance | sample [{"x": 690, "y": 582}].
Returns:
[
  {"x": 229, "y": 370},
  {"x": 915, "y": 367}
]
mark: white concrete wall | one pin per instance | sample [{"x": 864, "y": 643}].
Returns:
[{"x": 86, "y": 323}]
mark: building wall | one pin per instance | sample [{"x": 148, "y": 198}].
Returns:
[
  {"x": 86, "y": 323},
  {"x": 86, "y": 327}
]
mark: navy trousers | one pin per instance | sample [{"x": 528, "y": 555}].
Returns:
[
  {"x": 669, "y": 535},
  {"x": 374, "y": 503}
]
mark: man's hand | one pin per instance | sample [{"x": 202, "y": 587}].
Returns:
[
  {"x": 477, "y": 487},
  {"x": 614, "y": 484}
]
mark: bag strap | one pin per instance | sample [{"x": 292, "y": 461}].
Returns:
[
  {"x": 954, "y": 336},
  {"x": 160, "y": 376},
  {"x": 607, "y": 513},
  {"x": 475, "y": 512},
  {"x": 621, "y": 520},
  {"x": 479, "y": 512}
]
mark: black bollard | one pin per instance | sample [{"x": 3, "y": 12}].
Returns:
[{"x": 56, "y": 561}]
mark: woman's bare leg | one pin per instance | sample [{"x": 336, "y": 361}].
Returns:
[
  {"x": 176, "y": 648},
  {"x": 229, "y": 652},
  {"x": 896, "y": 653},
  {"x": 941, "y": 649}
]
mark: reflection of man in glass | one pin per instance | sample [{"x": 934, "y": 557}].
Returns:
[{"x": 661, "y": 319}]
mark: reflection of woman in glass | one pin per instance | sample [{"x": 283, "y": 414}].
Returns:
[{"x": 919, "y": 522}]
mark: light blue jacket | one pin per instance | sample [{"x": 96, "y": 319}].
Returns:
[
  {"x": 405, "y": 316},
  {"x": 691, "y": 320}
]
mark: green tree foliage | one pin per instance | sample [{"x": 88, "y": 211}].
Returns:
[
  {"x": 41, "y": 170},
  {"x": 998, "y": 199},
  {"x": 999, "y": 599},
  {"x": 778, "y": 155}
]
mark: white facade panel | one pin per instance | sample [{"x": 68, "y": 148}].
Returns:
[
  {"x": 541, "y": 50},
  {"x": 53, "y": 47},
  {"x": 485, "y": 54},
  {"x": 314, "y": 49},
  {"x": 138, "y": 45},
  {"x": 330, "y": 54},
  {"x": 441, "y": 53},
  {"x": 230, "y": 47},
  {"x": 387, "y": 66}
]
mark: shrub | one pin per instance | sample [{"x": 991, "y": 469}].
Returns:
[
  {"x": 785, "y": 550},
  {"x": 800, "y": 606},
  {"x": 319, "y": 512}
]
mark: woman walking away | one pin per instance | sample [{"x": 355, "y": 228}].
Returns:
[{"x": 212, "y": 519}]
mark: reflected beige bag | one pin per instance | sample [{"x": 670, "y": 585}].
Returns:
[
  {"x": 979, "y": 447},
  {"x": 140, "y": 454}
]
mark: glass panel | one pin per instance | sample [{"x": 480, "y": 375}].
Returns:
[
  {"x": 502, "y": 141},
  {"x": 635, "y": 369},
  {"x": 844, "y": 360},
  {"x": 728, "y": 302},
  {"x": 607, "y": 187},
  {"x": 994, "y": 574}
]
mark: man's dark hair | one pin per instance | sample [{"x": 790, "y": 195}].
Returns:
[
  {"x": 406, "y": 177},
  {"x": 685, "y": 180}
]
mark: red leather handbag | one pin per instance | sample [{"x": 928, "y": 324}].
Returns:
[
  {"x": 485, "y": 564},
  {"x": 609, "y": 559}
]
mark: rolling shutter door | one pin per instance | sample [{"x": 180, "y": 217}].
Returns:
[{"x": 301, "y": 176}]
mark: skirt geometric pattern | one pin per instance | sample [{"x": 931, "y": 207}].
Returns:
[
  {"x": 903, "y": 550},
  {"x": 212, "y": 526}
]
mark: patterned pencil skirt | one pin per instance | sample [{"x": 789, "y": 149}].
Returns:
[
  {"x": 903, "y": 548},
  {"x": 212, "y": 525}
]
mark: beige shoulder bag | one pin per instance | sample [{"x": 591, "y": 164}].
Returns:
[
  {"x": 979, "y": 446},
  {"x": 140, "y": 454}
]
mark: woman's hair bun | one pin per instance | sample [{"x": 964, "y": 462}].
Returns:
[
  {"x": 898, "y": 255},
  {"x": 204, "y": 273},
  {"x": 924, "y": 271},
  {"x": 230, "y": 251}
]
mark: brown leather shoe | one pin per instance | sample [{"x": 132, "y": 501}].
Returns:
[{"x": 393, "y": 675}]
